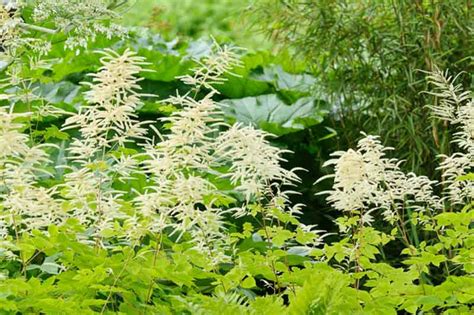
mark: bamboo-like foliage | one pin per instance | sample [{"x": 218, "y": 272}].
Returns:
[{"x": 368, "y": 56}]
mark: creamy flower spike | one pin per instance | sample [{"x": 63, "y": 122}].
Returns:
[
  {"x": 254, "y": 163},
  {"x": 366, "y": 180},
  {"x": 25, "y": 206},
  {"x": 105, "y": 124},
  {"x": 12, "y": 141},
  {"x": 200, "y": 146},
  {"x": 110, "y": 117},
  {"x": 456, "y": 107},
  {"x": 211, "y": 69}
]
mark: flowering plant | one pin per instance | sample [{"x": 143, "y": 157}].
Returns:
[{"x": 190, "y": 214}]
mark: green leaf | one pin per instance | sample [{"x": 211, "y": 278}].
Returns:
[
  {"x": 248, "y": 283},
  {"x": 62, "y": 92},
  {"x": 50, "y": 268},
  {"x": 54, "y": 132},
  {"x": 165, "y": 67},
  {"x": 271, "y": 114},
  {"x": 283, "y": 80}
]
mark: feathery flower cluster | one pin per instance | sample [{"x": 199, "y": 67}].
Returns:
[
  {"x": 185, "y": 165},
  {"x": 212, "y": 68},
  {"x": 183, "y": 170},
  {"x": 9, "y": 26},
  {"x": 110, "y": 117},
  {"x": 365, "y": 180},
  {"x": 105, "y": 124},
  {"x": 178, "y": 166},
  {"x": 24, "y": 205},
  {"x": 180, "y": 193},
  {"x": 254, "y": 163},
  {"x": 457, "y": 107},
  {"x": 80, "y": 19}
]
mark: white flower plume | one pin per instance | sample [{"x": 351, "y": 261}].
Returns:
[
  {"x": 25, "y": 205},
  {"x": 366, "y": 180},
  {"x": 457, "y": 107},
  {"x": 110, "y": 117}
]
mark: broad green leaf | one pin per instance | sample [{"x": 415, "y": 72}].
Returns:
[
  {"x": 271, "y": 114},
  {"x": 63, "y": 91},
  {"x": 283, "y": 80},
  {"x": 165, "y": 67}
]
